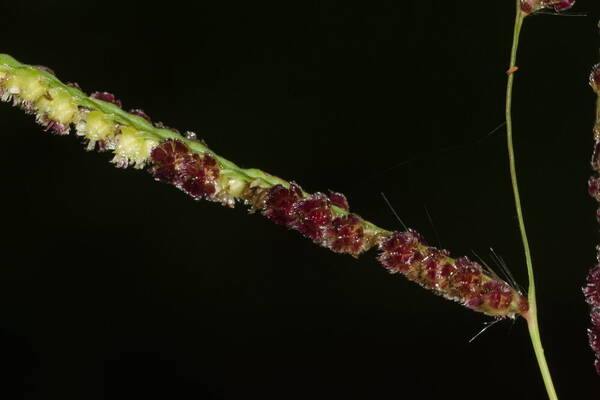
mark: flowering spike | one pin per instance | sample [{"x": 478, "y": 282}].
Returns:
[
  {"x": 187, "y": 163},
  {"x": 461, "y": 279}
]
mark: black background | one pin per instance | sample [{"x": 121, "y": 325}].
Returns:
[{"x": 113, "y": 286}]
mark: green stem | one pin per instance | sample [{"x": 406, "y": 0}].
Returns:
[{"x": 531, "y": 315}]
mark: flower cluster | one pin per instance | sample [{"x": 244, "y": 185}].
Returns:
[
  {"x": 591, "y": 290},
  {"x": 460, "y": 279},
  {"x": 531, "y": 6},
  {"x": 175, "y": 163},
  {"x": 314, "y": 216},
  {"x": 57, "y": 109},
  {"x": 186, "y": 162}
]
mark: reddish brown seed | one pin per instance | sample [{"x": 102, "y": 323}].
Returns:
[
  {"x": 108, "y": 97},
  {"x": 466, "y": 281},
  {"x": 140, "y": 113},
  {"x": 529, "y": 6},
  {"x": 339, "y": 200},
  {"x": 401, "y": 250},
  {"x": 198, "y": 175},
  {"x": 346, "y": 235},
  {"x": 497, "y": 295},
  {"x": 436, "y": 269},
  {"x": 163, "y": 158},
  {"x": 563, "y": 5},
  {"x": 174, "y": 163},
  {"x": 279, "y": 203},
  {"x": 312, "y": 215}
]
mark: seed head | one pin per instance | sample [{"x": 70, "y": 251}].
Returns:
[{"x": 325, "y": 219}]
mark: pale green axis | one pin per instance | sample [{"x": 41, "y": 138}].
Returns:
[{"x": 531, "y": 315}]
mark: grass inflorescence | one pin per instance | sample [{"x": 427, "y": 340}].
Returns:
[{"x": 188, "y": 164}]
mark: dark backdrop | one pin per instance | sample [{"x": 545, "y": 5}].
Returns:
[{"x": 113, "y": 286}]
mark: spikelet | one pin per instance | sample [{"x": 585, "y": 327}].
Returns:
[
  {"x": 57, "y": 110},
  {"x": 186, "y": 163},
  {"x": 97, "y": 128},
  {"x": 531, "y": 6},
  {"x": 27, "y": 84},
  {"x": 132, "y": 147}
]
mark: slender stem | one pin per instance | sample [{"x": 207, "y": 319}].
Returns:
[{"x": 531, "y": 315}]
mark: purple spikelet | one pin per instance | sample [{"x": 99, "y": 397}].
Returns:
[
  {"x": 280, "y": 202},
  {"x": 346, "y": 234},
  {"x": 530, "y": 6},
  {"x": 339, "y": 200},
  {"x": 313, "y": 216},
  {"x": 108, "y": 97},
  {"x": 140, "y": 113},
  {"x": 173, "y": 162}
]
